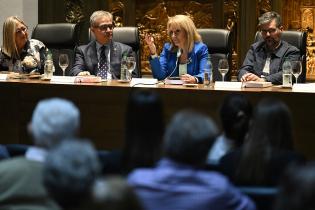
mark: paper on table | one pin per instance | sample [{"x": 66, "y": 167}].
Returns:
[
  {"x": 3, "y": 76},
  {"x": 62, "y": 79},
  {"x": 143, "y": 82},
  {"x": 254, "y": 84},
  {"x": 306, "y": 87},
  {"x": 173, "y": 81},
  {"x": 87, "y": 79},
  {"x": 219, "y": 85}
]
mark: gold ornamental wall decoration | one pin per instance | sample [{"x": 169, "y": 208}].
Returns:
[
  {"x": 74, "y": 11},
  {"x": 230, "y": 9},
  {"x": 118, "y": 10},
  {"x": 152, "y": 18}
]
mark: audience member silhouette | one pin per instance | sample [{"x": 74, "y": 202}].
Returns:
[
  {"x": 268, "y": 148},
  {"x": 113, "y": 193},
  {"x": 235, "y": 113},
  {"x": 21, "y": 188},
  {"x": 177, "y": 182},
  {"x": 3, "y": 152},
  {"x": 297, "y": 189},
  {"x": 144, "y": 130},
  {"x": 69, "y": 172}
]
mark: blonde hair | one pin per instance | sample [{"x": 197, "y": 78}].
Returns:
[
  {"x": 8, "y": 42},
  {"x": 98, "y": 14},
  {"x": 184, "y": 23}
]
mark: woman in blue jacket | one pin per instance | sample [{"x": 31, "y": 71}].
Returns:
[{"x": 185, "y": 56}]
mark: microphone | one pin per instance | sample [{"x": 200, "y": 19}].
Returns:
[{"x": 179, "y": 53}]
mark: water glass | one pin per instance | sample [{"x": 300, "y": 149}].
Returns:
[
  {"x": 223, "y": 67},
  {"x": 63, "y": 62},
  {"x": 207, "y": 78},
  {"x": 296, "y": 69},
  {"x": 131, "y": 65}
]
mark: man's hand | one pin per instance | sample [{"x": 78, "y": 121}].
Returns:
[
  {"x": 84, "y": 73},
  {"x": 251, "y": 77}
]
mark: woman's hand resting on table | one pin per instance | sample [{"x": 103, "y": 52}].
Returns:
[{"x": 187, "y": 78}]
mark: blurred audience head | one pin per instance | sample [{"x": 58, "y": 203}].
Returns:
[
  {"x": 144, "y": 129},
  {"x": 272, "y": 125},
  {"x": 113, "y": 193},
  {"x": 235, "y": 113},
  {"x": 297, "y": 189},
  {"x": 189, "y": 137},
  {"x": 270, "y": 134},
  {"x": 15, "y": 36},
  {"x": 54, "y": 120},
  {"x": 69, "y": 172}
]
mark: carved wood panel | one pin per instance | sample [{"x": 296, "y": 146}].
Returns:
[
  {"x": 299, "y": 15},
  {"x": 152, "y": 17}
]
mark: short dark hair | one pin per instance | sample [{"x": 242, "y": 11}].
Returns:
[
  {"x": 235, "y": 113},
  {"x": 69, "y": 172},
  {"x": 144, "y": 129},
  {"x": 189, "y": 137},
  {"x": 297, "y": 188},
  {"x": 270, "y": 132},
  {"x": 268, "y": 17}
]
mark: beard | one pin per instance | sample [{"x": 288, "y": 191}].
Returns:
[{"x": 271, "y": 43}]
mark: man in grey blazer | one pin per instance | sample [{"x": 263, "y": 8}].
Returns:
[{"x": 87, "y": 57}]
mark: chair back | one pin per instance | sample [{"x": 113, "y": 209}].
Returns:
[
  {"x": 297, "y": 39},
  {"x": 58, "y": 38},
  {"x": 262, "y": 196},
  {"x": 219, "y": 42},
  {"x": 128, "y": 36}
]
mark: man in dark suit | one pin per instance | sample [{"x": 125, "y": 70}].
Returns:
[{"x": 90, "y": 58}]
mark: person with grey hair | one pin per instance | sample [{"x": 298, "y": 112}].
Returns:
[
  {"x": 101, "y": 56},
  {"x": 21, "y": 177},
  {"x": 178, "y": 181},
  {"x": 69, "y": 171},
  {"x": 264, "y": 59}
]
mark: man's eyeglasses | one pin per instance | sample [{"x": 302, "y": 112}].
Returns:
[
  {"x": 270, "y": 30},
  {"x": 175, "y": 33},
  {"x": 20, "y": 30},
  {"x": 104, "y": 27}
]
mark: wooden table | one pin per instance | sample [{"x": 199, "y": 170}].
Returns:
[{"x": 103, "y": 106}]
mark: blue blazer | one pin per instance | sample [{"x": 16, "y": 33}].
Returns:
[{"x": 163, "y": 67}]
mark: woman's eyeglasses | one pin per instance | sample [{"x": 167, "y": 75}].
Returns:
[
  {"x": 175, "y": 32},
  {"x": 22, "y": 29}
]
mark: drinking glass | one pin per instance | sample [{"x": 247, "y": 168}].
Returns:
[
  {"x": 296, "y": 69},
  {"x": 223, "y": 67},
  {"x": 131, "y": 65},
  {"x": 63, "y": 62}
]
